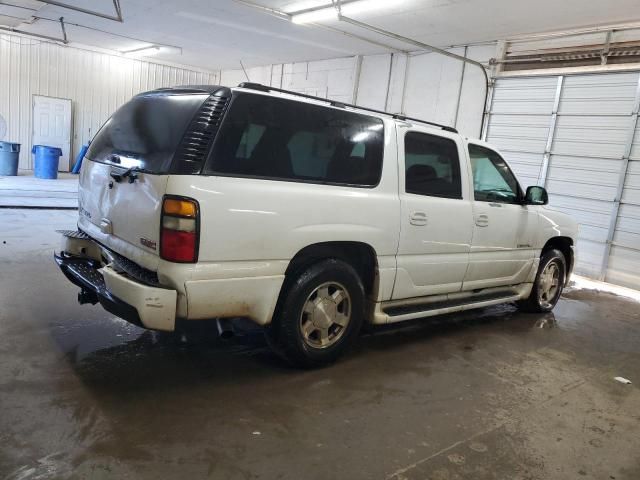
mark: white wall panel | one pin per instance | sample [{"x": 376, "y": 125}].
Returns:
[
  {"x": 96, "y": 83},
  {"x": 433, "y": 87},
  {"x": 374, "y": 86}
]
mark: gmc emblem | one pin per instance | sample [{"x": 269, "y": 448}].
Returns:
[{"x": 148, "y": 243}]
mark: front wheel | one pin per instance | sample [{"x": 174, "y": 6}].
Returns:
[
  {"x": 548, "y": 284},
  {"x": 319, "y": 315}
]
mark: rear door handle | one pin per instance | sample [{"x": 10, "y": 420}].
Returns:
[
  {"x": 418, "y": 218},
  {"x": 482, "y": 220}
]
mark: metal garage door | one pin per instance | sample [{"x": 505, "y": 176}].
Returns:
[{"x": 573, "y": 135}]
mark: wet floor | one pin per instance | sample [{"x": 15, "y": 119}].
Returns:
[{"x": 489, "y": 394}]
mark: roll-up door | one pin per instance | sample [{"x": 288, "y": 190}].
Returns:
[{"x": 573, "y": 135}]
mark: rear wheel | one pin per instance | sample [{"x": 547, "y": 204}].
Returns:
[
  {"x": 319, "y": 315},
  {"x": 548, "y": 284}
]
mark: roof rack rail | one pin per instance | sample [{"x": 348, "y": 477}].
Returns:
[{"x": 265, "y": 88}]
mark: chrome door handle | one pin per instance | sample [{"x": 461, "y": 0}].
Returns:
[
  {"x": 482, "y": 220},
  {"x": 418, "y": 218}
]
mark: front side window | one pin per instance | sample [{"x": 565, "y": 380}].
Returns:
[
  {"x": 267, "y": 137},
  {"x": 493, "y": 181},
  {"x": 432, "y": 166}
]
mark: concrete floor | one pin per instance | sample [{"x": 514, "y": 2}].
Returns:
[
  {"x": 490, "y": 394},
  {"x": 24, "y": 190}
]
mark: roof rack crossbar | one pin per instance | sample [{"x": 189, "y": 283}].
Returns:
[{"x": 265, "y": 88}]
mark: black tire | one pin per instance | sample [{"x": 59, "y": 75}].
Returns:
[
  {"x": 535, "y": 303},
  {"x": 285, "y": 334}
]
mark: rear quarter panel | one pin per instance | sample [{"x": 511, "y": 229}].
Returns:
[{"x": 253, "y": 227}]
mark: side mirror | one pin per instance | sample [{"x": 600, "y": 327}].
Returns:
[{"x": 536, "y": 196}]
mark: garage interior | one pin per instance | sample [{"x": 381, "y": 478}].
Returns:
[{"x": 486, "y": 394}]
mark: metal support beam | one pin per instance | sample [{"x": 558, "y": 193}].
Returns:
[
  {"x": 356, "y": 79},
  {"x": 64, "y": 30},
  {"x": 546, "y": 158},
  {"x": 386, "y": 98},
  {"x": 425, "y": 46},
  {"x": 404, "y": 83},
  {"x": 34, "y": 35},
  {"x": 357, "y": 37},
  {"x": 464, "y": 65},
  {"x": 488, "y": 107},
  {"x": 606, "y": 48},
  {"x": 613, "y": 224},
  {"x": 116, "y": 5}
]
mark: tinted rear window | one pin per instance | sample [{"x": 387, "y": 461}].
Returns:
[
  {"x": 275, "y": 138},
  {"x": 146, "y": 131}
]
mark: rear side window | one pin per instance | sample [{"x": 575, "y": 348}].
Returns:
[
  {"x": 432, "y": 166},
  {"x": 145, "y": 131},
  {"x": 266, "y": 137}
]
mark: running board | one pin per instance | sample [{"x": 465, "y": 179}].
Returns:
[{"x": 399, "y": 313}]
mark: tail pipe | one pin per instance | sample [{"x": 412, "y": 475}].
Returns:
[{"x": 225, "y": 328}]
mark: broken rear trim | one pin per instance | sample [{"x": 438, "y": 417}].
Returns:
[{"x": 83, "y": 273}]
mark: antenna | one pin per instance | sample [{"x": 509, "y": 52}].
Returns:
[{"x": 245, "y": 72}]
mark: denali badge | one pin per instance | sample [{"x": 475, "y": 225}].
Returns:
[
  {"x": 84, "y": 212},
  {"x": 148, "y": 243}
]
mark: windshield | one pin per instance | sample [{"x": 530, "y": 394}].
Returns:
[{"x": 146, "y": 131}]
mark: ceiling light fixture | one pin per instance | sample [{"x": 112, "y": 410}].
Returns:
[{"x": 332, "y": 12}]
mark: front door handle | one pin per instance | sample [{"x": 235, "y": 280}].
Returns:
[
  {"x": 418, "y": 218},
  {"x": 482, "y": 220}
]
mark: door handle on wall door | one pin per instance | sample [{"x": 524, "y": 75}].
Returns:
[
  {"x": 482, "y": 220},
  {"x": 418, "y": 218}
]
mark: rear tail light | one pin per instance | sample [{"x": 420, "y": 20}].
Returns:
[{"x": 180, "y": 230}]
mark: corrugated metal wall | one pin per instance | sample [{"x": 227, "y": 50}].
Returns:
[
  {"x": 96, "y": 83},
  {"x": 573, "y": 135}
]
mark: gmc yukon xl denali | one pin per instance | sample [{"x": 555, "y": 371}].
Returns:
[{"x": 307, "y": 216}]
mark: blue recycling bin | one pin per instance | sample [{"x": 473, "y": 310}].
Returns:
[
  {"x": 9, "y": 157},
  {"x": 46, "y": 160}
]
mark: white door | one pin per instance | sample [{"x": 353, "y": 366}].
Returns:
[
  {"x": 436, "y": 220},
  {"x": 502, "y": 249},
  {"x": 52, "y": 126}
]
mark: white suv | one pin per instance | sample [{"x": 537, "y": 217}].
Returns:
[{"x": 307, "y": 216}]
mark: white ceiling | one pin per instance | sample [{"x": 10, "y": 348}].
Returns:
[{"x": 220, "y": 33}]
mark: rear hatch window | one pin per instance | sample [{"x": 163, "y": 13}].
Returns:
[{"x": 146, "y": 131}]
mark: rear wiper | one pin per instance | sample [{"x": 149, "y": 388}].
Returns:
[{"x": 131, "y": 173}]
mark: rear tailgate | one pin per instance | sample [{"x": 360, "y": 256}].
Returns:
[
  {"x": 125, "y": 173},
  {"x": 124, "y": 217}
]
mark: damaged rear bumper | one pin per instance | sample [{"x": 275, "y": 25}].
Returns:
[{"x": 140, "y": 304}]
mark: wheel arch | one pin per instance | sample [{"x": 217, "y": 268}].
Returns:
[
  {"x": 565, "y": 245},
  {"x": 360, "y": 255}
]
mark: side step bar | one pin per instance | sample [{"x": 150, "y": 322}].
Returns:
[{"x": 398, "y": 311}]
